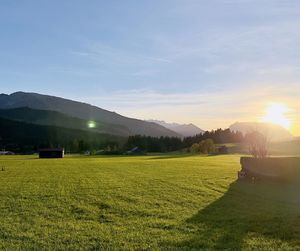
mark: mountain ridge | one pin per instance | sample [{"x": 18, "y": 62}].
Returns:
[
  {"x": 54, "y": 118},
  {"x": 83, "y": 111}
]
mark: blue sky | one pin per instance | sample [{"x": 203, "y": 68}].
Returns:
[{"x": 208, "y": 62}]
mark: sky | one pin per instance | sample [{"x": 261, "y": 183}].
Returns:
[{"x": 207, "y": 62}]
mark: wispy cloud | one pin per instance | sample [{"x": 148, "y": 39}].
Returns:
[
  {"x": 143, "y": 73},
  {"x": 122, "y": 61},
  {"x": 98, "y": 52},
  {"x": 75, "y": 71}
]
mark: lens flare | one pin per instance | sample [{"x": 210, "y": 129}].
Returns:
[{"x": 91, "y": 124}]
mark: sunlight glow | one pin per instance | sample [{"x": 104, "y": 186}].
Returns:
[{"x": 275, "y": 114}]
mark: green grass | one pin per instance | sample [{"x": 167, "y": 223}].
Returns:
[{"x": 142, "y": 203}]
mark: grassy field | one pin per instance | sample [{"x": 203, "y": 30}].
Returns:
[{"x": 142, "y": 203}]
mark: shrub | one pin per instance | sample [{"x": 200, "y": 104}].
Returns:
[
  {"x": 195, "y": 148},
  {"x": 205, "y": 146}
]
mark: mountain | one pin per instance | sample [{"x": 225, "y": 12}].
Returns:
[
  {"x": 272, "y": 131},
  {"x": 186, "y": 130},
  {"x": 52, "y": 118},
  {"x": 83, "y": 111},
  {"x": 25, "y": 137}
]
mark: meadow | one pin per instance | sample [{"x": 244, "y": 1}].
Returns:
[{"x": 142, "y": 203}]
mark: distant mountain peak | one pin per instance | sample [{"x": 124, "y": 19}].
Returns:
[
  {"x": 272, "y": 131},
  {"x": 186, "y": 130}
]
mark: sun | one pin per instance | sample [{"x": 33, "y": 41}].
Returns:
[{"x": 275, "y": 114}]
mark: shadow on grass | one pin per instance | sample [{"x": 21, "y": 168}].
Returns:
[{"x": 259, "y": 213}]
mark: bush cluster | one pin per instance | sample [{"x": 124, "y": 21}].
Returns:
[{"x": 205, "y": 146}]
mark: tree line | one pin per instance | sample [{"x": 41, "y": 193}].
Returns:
[
  {"x": 167, "y": 144},
  {"x": 219, "y": 136},
  {"x": 27, "y": 138}
]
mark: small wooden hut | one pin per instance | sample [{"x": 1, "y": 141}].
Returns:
[{"x": 51, "y": 153}]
